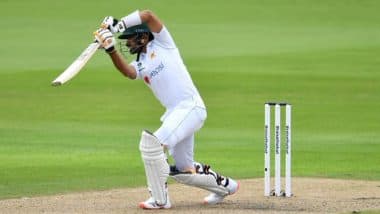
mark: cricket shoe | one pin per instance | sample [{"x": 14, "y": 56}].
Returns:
[
  {"x": 151, "y": 204},
  {"x": 214, "y": 198}
]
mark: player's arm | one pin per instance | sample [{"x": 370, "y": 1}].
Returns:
[
  {"x": 153, "y": 22},
  {"x": 119, "y": 62},
  {"x": 107, "y": 41},
  {"x": 145, "y": 16}
]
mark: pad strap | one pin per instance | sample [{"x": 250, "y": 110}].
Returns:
[{"x": 204, "y": 178}]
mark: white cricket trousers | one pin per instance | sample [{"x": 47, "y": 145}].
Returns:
[{"x": 177, "y": 131}]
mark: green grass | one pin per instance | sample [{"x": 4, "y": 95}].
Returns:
[
  {"x": 322, "y": 56},
  {"x": 366, "y": 212}
]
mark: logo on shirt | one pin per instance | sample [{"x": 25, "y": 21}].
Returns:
[
  {"x": 146, "y": 80},
  {"x": 152, "y": 55},
  {"x": 139, "y": 67},
  {"x": 156, "y": 71}
]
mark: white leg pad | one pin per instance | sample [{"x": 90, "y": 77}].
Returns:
[
  {"x": 156, "y": 166},
  {"x": 205, "y": 178}
]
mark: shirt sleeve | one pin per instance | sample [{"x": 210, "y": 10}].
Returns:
[
  {"x": 134, "y": 64},
  {"x": 164, "y": 39}
]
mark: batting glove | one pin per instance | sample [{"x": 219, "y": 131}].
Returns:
[
  {"x": 110, "y": 23},
  {"x": 106, "y": 39}
]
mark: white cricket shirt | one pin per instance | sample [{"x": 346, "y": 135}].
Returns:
[{"x": 164, "y": 72}]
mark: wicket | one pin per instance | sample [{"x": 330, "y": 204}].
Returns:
[{"x": 267, "y": 140}]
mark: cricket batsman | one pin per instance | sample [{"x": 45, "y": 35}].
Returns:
[{"x": 160, "y": 66}]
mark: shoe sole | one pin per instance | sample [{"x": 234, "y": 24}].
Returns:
[
  {"x": 238, "y": 186},
  {"x": 142, "y": 206},
  {"x": 206, "y": 202}
]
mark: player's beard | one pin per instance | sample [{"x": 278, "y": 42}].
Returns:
[
  {"x": 136, "y": 49},
  {"x": 136, "y": 46},
  {"x": 129, "y": 51}
]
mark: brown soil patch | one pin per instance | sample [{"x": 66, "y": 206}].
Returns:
[{"x": 311, "y": 195}]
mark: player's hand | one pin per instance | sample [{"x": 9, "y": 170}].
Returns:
[
  {"x": 110, "y": 23},
  {"x": 106, "y": 39}
]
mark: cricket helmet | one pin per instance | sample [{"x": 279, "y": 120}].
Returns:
[
  {"x": 135, "y": 30},
  {"x": 135, "y": 36}
]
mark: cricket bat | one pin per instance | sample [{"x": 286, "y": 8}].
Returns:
[{"x": 77, "y": 65}]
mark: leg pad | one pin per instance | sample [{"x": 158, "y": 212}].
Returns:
[
  {"x": 156, "y": 166},
  {"x": 204, "y": 178}
]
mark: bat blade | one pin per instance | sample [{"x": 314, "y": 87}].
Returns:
[{"x": 77, "y": 65}]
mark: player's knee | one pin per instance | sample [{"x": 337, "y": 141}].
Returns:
[
  {"x": 150, "y": 146},
  {"x": 204, "y": 178}
]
